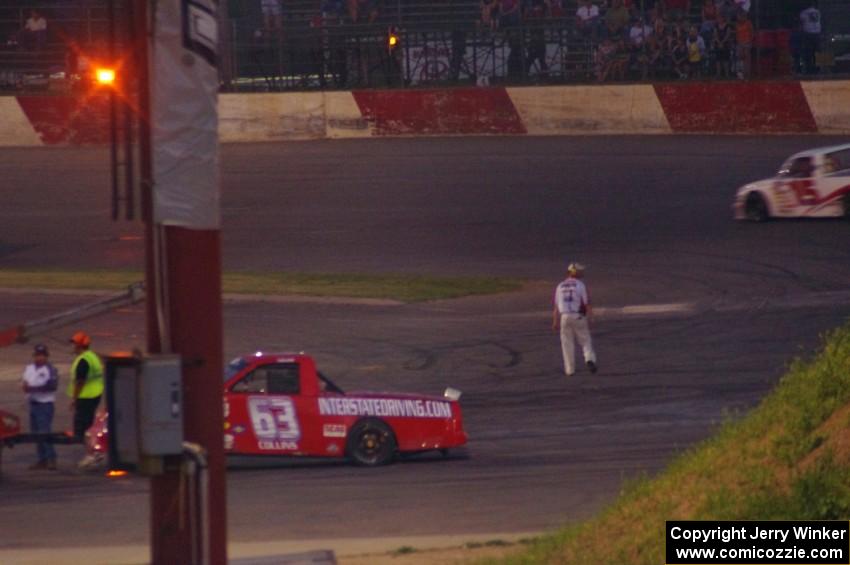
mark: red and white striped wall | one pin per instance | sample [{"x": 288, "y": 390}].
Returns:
[{"x": 706, "y": 107}]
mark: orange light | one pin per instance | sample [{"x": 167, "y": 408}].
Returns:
[
  {"x": 105, "y": 77},
  {"x": 114, "y": 473},
  {"x": 393, "y": 40}
]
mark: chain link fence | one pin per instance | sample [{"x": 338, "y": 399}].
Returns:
[{"x": 283, "y": 45}]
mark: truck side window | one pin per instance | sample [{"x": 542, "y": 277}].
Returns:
[{"x": 283, "y": 378}]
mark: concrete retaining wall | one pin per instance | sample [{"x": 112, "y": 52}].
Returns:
[{"x": 709, "y": 107}]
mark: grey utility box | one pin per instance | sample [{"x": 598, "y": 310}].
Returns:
[{"x": 144, "y": 400}]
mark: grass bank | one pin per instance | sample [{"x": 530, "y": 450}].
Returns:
[
  {"x": 404, "y": 288},
  {"x": 788, "y": 459}
]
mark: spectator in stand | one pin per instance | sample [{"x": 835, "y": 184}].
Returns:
[
  {"x": 726, "y": 8},
  {"x": 535, "y": 14},
  {"x": 743, "y": 5},
  {"x": 272, "y": 18},
  {"x": 616, "y": 19},
  {"x": 613, "y": 59},
  {"x": 515, "y": 58},
  {"x": 655, "y": 59},
  {"x": 744, "y": 34},
  {"x": 587, "y": 19},
  {"x": 490, "y": 14},
  {"x": 34, "y": 33},
  {"x": 333, "y": 11},
  {"x": 721, "y": 47},
  {"x": 659, "y": 23},
  {"x": 639, "y": 33},
  {"x": 795, "y": 46},
  {"x": 679, "y": 29},
  {"x": 678, "y": 55},
  {"x": 709, "y": 19},
  {"x": 676, "y": 9},
  {"x": 696, "y": 52},
  {"x": 810, "y": 38},
  {"x": 509, "y": 14},
  {"x": 367, "y": 11}
]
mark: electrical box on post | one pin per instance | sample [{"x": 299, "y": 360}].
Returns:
[{"x": 144, "y": 401}]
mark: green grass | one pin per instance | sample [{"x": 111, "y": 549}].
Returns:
[
  {"x": 404, "y": 288},
  {"x": 787, "y": 459}
]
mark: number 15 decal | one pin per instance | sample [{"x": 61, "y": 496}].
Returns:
[{"x": 274, "y": 418}]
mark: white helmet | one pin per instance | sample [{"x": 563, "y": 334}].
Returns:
[{"x": 575, "y": 268}]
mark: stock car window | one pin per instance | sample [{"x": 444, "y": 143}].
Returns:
[
  {"x": 801, "y": 168},
  {"x": 837, "y": 161},
  {"x": 281, "y": 378}
]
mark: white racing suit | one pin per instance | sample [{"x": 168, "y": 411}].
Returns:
[{"x": 574, "y": 327}]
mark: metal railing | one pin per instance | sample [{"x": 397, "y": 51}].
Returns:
[
  {"x": 71, "y": 26},
  {"x": 360, "y": 57}
]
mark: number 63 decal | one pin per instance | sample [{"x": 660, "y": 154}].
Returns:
[{"x": 274, "y": 418}]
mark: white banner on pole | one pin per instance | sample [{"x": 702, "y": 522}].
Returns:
[{"x": 184, "y": 114}]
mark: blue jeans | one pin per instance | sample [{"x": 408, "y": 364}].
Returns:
[{"x": 41, "y": 420}]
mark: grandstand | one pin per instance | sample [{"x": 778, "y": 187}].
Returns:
[{"x": 318, "y": 44}]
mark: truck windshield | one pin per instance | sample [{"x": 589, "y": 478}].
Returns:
[{"x": 234, "y": 367}]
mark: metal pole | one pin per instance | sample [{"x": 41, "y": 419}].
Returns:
[
  {"x": 127, "y": 113},
  {"x": 165, "y": 492},
  {"x": 113, "y": 114},
  {"x": 757, "y": 9},
  {"x": 183, "y": 316}
]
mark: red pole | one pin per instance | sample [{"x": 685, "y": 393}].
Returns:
[
  {"x": 183, "y": 265},
  {"x": 193, "y": 286}
]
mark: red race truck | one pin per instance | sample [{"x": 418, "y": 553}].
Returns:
[{"x": 279, "y": 404}]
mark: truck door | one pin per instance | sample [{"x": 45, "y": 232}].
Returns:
[{"x": 267, "y": 414}]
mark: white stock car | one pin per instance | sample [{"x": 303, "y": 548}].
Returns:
[{"x": 810, "y": 184}]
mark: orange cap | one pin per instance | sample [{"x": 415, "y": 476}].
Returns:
[{"x": 81, "y": 339}]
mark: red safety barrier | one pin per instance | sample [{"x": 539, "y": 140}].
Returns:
[
  {"x": 64, "y": 119},
  {"x": 752, "y": 107},
  {"x": 736, "y": 107},
  {"x": 440, "y": 112}
]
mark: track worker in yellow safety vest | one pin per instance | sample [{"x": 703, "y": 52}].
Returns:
[{"x": 86, "y": 383}]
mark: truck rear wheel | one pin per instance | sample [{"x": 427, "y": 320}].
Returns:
[{"x": 371, "y": 443}]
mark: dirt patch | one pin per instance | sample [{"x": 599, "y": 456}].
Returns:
[{"x": 444, "y": 556}]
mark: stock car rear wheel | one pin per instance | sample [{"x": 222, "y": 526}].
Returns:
[
  {"x": 756, "y": 208},
  {"x": 371, "y": 443}
]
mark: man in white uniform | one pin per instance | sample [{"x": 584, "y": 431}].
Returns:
[
  {"x": 39, "y": 382},
  {"x": 571, "y": 313}
]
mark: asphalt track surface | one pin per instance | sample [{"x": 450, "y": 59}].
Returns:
[{"x": 698, "y": 317}]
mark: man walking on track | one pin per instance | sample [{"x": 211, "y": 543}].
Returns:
[{"x": 571, "y": 313}]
